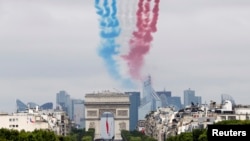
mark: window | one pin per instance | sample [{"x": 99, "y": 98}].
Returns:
[
  {"x": 11, "y": 126},
  {"x": 223, "y": 117},
  {"x": 231, "y": 118}
]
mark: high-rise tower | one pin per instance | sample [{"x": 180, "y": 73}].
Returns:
[
  {"x": 63, "y": 100},
  {"x": 150, "y": 100},
  {"x": 189, "y": 97},
  {"x": 134, "y": 98}
]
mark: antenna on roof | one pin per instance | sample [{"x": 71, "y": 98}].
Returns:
[{"x": 117, "y": 90}]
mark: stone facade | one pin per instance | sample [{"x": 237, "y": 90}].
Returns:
[
  {"x": 32, "y": 119},
  {"x": 116, "y": 103}
]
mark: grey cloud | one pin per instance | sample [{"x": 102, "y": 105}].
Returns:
[{"x": 49, "y": 45}]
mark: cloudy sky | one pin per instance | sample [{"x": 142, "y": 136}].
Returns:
[{"x": 51, "y": 45}]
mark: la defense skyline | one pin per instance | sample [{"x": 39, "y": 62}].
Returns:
[
  {"x": 63, "y": 99},
  {"x": 140, "y": 104},
  {"x": 189, "y": 95},
  {"x": 75, "y": 107},
  {"x": 162, "y": 98}
]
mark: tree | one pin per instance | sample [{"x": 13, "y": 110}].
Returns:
[
  {"x": 233, "y": 122},
  {"x": 187, "y": 136},
  {"x": 87, "y": 138},
  {"x": 196, "y": 134},
  {"x": 134, "y": 138}
]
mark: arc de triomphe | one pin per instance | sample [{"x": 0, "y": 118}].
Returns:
[{"x": 98, "y": 103}]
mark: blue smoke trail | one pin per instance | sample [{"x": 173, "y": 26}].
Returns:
[{"x": 110, "y": 31}]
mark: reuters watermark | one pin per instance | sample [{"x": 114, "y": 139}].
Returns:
[{"x": 241, "y": 132}]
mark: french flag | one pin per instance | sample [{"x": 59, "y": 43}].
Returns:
[
  {"x": 107, "y": 125},
  {"x": 32, "y": 121}
]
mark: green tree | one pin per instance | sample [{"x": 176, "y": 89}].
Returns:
[
  {"x": 4, "y": 133},
  {"x": 87, "y": 138},
  {"x": 187, "y": 136},
  {"x": 3, "y": 139},
  {"x": 196, "y": 134},
  {"x": 31, "y": 137},
  {"x": 77, "y": 134},
  {"x": 233, "y": 122},
  {"x": 134, "y": 138},
  {"x": 170, "y": 138},
  {"x": 90, "y": 132}
]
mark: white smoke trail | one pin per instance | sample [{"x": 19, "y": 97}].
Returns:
[
  {"x": 123, "y": 6},
  {"x": 127, "y": 19}
]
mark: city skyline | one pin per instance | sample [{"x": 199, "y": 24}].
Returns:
[
  {"x": 48, "y": 46},
  {"x": 63, "y": 100}
]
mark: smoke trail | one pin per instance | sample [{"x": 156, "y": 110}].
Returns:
[
  {"x": 140, "y": 42},
  {"x": 127, "y": 20},
  {"x": 110, "y": 30},
  {"x": 155, "y": 17},
  {"x": 133, "y": 58}
]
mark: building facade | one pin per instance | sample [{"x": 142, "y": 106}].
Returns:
[
  {"x": 98, "y": 105},
  {"x": 63, "y": 100},
  {"x": 150, "y": 100},
  {"x": 174, "y": 101},
  {"x": 164, "y": 96},
  {"x": 33, "y": 119},
  {"x": 134, "y": 98},
  {"x": 78, "y": 112},
  {"x": 22, "y": 107},
  {"x": 189, "y": 98}
]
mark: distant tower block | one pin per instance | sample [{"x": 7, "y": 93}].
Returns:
[
  {"x": 108, "y": 113},
  {"x": 150, "y": 100}
]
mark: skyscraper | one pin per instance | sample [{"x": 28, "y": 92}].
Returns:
[
  {"x": 134, "y": 98},
  {"x": 189, "y": 98},
  {"x": 174, "y": 101},
  {"x": 164, "y": 96},
  {"x": 63, "y": 100},
  {"x": 21, "y": 107},
  {"x": 150, "y": 101},
  {"x": 47, "y": 106},
  {"x": 78, "y": 112}
]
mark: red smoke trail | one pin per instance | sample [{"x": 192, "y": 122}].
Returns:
[
  {"x": 155, "y": 17},
  {"x": 140, "y": 42}
]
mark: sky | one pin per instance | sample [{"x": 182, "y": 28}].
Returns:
[{"x": 51, "y": 45}]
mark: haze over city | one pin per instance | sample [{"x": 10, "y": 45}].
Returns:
[{"x": 52, "y": 45}]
